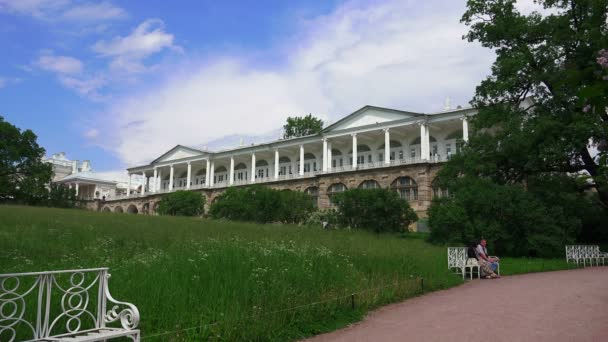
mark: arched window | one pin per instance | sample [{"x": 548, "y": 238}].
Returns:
[
  {"x": 313, "y": 192},
  {"x": 406, "y": 188},
  {"x": 284, "y": 160},
  {"x": 118, "y": 209},
  {"x": 369, "y": 184},
  {"x": 454, "y": 135},
  {"x": 335, "y": 189},
  {"x": 439, "y": 192},
  {"x": 201, "y": 172},
  {"x": 221, "y": 169},
  {"x": 364, "y": 155},
  {"x": 240, "y": 166},
  {"x": 395, "y": 150},
  {"x": 261, "y": 163},
  {"x": 335, "y": 152},
  {"x": 132, "y": 209}
]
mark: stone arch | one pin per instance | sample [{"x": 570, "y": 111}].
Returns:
[
  {"x": 118, "y": 209},
  {"x": 106, "y": 209},
  {"x": 369, "y": 184},
  {"x": 132, "y": 209},
  {"x": 145, "y": 209},
  {"x": 155, "y": 207},
  {"x": 406, "y": 187},
  {"x": 333, "y": 189},
  {"x": 313, "y": 192},
  {"x": 417, "y": 140}
]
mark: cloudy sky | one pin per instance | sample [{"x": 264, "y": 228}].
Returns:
[{"x": 122, "y": 82}]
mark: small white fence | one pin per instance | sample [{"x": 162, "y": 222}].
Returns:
[
  {"x": 66, "y": 305},
  {"x": 585, "y": 254}
]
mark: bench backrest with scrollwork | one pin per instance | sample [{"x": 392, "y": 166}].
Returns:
[
  {"x": 38, "y": 305},
  {"x": 457, "y": 257}
]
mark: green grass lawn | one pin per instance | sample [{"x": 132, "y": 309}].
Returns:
[{"x": 231, "y": 278}]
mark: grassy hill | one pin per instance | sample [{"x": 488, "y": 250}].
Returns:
[{"x": 234, "y": 281}]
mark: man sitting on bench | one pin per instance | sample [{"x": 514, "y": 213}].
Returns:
[{"x": 482, "y": 254}]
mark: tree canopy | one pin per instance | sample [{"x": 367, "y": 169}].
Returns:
[
  {"x": 299, "y": 126},
  {"x": 24, "y": 176},
  {"x": 542, "y": 111}
]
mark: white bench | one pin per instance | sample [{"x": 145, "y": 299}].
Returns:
[
  {"x": 457, "y": 261},
  {"x": 66, "y": 305},
  {"x": 583, "y": 254}
]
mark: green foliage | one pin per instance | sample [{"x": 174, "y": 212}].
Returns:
[
  {"x": 61, "y": 196},
  {"x": 299, "y": 126},
  {"x": 319, "y": 217},
  {"x": 262, "y": 204},
  {"x": 378, "y": 210},
  {"x": 23, "y": 175},
  {"x": 181, "y": 203},
  {"x": 547, "y": 96},
  {"x": 514, "y": 221}
]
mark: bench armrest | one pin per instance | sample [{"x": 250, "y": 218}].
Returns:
[{"x": 128, "y": 316}]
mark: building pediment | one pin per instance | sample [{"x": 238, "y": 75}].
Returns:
[
  {"x": 176, "y": 153},
  {"x": 369, "y": 115}
]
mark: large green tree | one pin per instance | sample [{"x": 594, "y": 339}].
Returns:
[
  {"x": 542, "y": 111},
  {"x": 299, "y": 126},
  {"x": 24, "y": 177}
]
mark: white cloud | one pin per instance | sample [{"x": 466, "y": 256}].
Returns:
[
  {"x": 128, "y": 52},
  {"x": 2, "y": 82},
  {"x": 89, "y": 12},
  {"x": 91, "y": 133},
  {"x": 59, "y": 64},
  {"x": 88, "y": 87},
  {"x": 35, "y": 8},
  {"x": 400, "y": 54}
]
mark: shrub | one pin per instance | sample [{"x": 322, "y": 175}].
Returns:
[
  {"x": 515, "y": 222},
  {"x": 317, "y": 218},
  {"x": 379, "y": 210},
  {"x": 61, "y": 196},
  {"x": 181, "y": 203},
  {"x": 262, "y": 204}
]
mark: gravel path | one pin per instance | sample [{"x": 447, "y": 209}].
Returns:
[{"x": 552, "y": 306}]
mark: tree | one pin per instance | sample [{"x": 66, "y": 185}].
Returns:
[
  {"x": 181, "y": 203},
  {"x": 61, "y": 196},
  {"x": 299, "y": 126},
  {"x": 543, "y": 109},
  {"x": 378, "y": 210},
  {"x": 24, "y": 176}
]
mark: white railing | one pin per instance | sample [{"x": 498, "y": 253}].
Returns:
[
  {"x": 337, "y": 169},
  {"x": 28, "y": 308}
]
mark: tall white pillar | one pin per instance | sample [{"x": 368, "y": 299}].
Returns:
[
  {"x": 188, "y": 176},
  {"x": 324, "y": 154},
  {"x": 231, "y": 171},
  {"x": 301, "y": 160},
  {"x": 128, "y": 186},
  {"x": 276, "y": 163},
  {"x": 154, "y": 187},
  {"x": 159, "y": 181},
  {"x": 387, "y": 146},
  {"x": 207, "y": 172},
  {"x": 143, "y": 185},
  {"x": 329, "y": 156},
  {"x": 253, "y": 168},
  {"x": 465, "y": 129},
  {"x": 428, "y": 142},
  {"x": 354, "y": 135},
  {"x": 423, "y": 145},
  {"x": 171, "y": 178},
  {"x": 212, "y": 173},
  {"x": 77, "y": 189}
]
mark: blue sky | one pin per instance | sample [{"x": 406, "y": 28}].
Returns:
[{"x": 119, "y": 83}]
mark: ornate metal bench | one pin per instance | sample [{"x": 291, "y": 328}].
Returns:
[
  {"x": 66, "y": 305},
  {"x": 457, "y": 260},
  {"x": 585, "y": 254}
]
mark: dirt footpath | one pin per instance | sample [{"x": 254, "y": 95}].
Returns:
[{"x": 552, "y": 306}]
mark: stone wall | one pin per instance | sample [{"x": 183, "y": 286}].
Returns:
[{"x": 423, "y": 174}]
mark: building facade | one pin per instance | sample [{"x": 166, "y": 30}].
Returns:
[{"x": 372, "y": 147}]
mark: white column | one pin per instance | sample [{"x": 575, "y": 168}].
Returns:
[
  {"x": 324, "y": 154},
  {"x": 387, "y": 146},
  {"x": 428, "y": 142},
  {"x": 354, "y": 135},
  {"x": 231, "y": 171},
  {"x": 77, "y": 189},
  {"x": 301, "y": 160},
  {"x": 423, "y": 152},
  {"x": 211, "y": 173},
  {"x": 329, "y": 156},
  {"x": 188, "y": 176},
  {"x": 171, "y": 178},
  {"x": 159, "y": 181},
  {"x": 143, "y": 185},
  {"x": 253, "y": 168},
  {"x": 154, "y": 188},
  {"x": 128, "y": 186},
  {"x": 465, "y": 129},
  {"x": 95, "y": 192},
  {"x": 276, "y": 163},
  {"x": 207, "y": 172}
]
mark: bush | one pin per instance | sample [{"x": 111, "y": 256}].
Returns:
[
  {"x": 261, "y": 204},
  {"x": 61, "y": 196},
  {"x": 379, "y": 210},
  {"x": 515, "y": 222},
  {"x": 317, "y": 218},
  {"x": 181, "y": 203}
]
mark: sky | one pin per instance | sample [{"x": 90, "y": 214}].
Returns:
[{"x": 121, "y": 82}]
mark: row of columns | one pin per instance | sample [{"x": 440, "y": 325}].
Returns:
[{"x": 326, "y": 165}]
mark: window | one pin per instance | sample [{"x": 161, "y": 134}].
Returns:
[
  {"x": 313, "y": 192},
  {"x": 434, "y": 149},
  {"x": 448, "y": 150},
  {"x": 334, "y": 189},
  {"x": 406, "y": 188},
  {"x": 369, "y": 184},
  {"x": 341, "y": 163},
  {"x": 369, "y": 158},
  {"x": 400, "y": 155},
  {"x": 438, "y": 192},
  {"x": 413, "y": 153}
]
